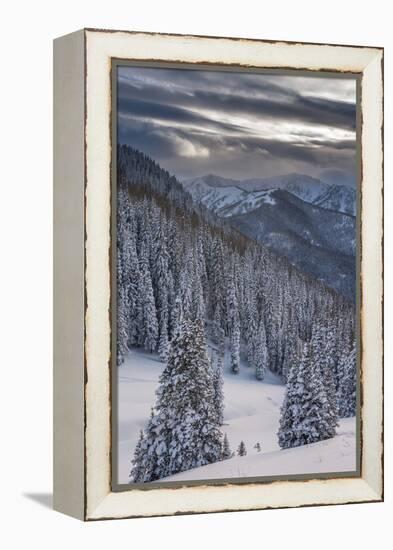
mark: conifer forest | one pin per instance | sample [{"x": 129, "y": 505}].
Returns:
[{"x": 236, "y": 311}]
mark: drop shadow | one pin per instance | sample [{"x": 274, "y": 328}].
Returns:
[{"x": 44, "y": 499}]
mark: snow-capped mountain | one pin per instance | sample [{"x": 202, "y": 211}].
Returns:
[
  {"x": 317, "y": 241},
  {"x": 309, "y": 222},
  {"x": 224, "y": 197},
  {"x": 213, "y": 194},
  {"x": 207, "y": 189},
  {"x": 341, "y": 198}
]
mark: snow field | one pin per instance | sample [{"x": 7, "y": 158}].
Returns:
[{"x": 252, "y": 411}]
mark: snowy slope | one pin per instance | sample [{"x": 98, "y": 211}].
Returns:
[
  {"x": 296, "y": 216},
  {"x": 211, "y": 180},
  {"x": 214, "y": 198},
  {"x": 340, "y": 198},
  {"x": 252, "y": 411},
  {"x": 333, "y": 455},
  {"x": 317, "y": 241}
]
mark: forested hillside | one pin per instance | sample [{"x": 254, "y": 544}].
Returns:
[
  {"x": 179, "y": 266},
  {"x": 308, "y": 222}
]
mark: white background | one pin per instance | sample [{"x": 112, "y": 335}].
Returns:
[{"x": 26, "y": 271}]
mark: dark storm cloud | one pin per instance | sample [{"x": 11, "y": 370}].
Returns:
[
  {"x": 238, "y": 124},
  {"x": 282, "y": 104},
  {"x": 148, "y": 110}
]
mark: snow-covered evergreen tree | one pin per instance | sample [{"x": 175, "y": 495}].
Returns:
[
  {"x": 323, "y": 363},
  {"x": 226, "y": 449},
  {"x": 131, "y": 283},
  {"x": 257, "y": 447},
  {"x": 306, "y": 416},
  {"x": 232, "y": 303},
  {"x": 149, "y": 328},
  {"x": 346, "y": 395},
  {"x": 185, "y": 289},
  {"x": 184, "y": 431},
  {"x": 177, "y": 316},
  {"x": 218, "y": 334},
  {"x": 217, "y": 286},
  {"x": 137, "y": 469},
  {"x": 163, "y": 343},
  {"x": 122, "y": 308},
  {"x": 218, "y": 383},
  {"x": 235, "y": 349},
  {"x": 161, "y": 286},
  {"x": 148, "y": 456},
  {"x": 260, "y": 352},
  {"x": 217, "y": 329},
  {"x": 241, "y": 450}
]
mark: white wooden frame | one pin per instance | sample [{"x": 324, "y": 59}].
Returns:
[{"x": 82, "y": 403}]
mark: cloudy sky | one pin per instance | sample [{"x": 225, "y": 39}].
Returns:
[{"x": 239, "y": 125}]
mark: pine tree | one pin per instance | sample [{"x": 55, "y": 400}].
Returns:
[
  {"x": 232, "y": 304},
  {"x": 171, "y": 304},
  {"x": 235, "y": 349},
  {"x": 251, "y": 339},
  {"x": 221, "y": 343},
  {"x": 226, "y": 450},
  {"x": 161, "y": 279},
  {"x": 137, "y": 470},
  {"x": 326, "y": 349},
  {"x": 257, "y": 447},
  {"x": 148, "y": 455},
  {"x": 177, "y": 316},
  {"x": 322, "y": 361},
  {"x": 131, "y": 284},
  {"x": 149, "y": 328},
  {"x": 260, "y": 354},
  {"x": 346, "y": 396},
  {"x": 233, "y": 323},
  {"x": 198, "y": 303},
  {"x": 217, "y": 330},
  {"x": 306, "y": 416},
  {"x": 217, "y": 288},
  {"x": 185, "y": 289},
  {"x": 290, "y": 345},
  {"x": 218, "y": 383},
  {"x": 163, "y": 343},
  {"x": 218, "y": 333},
  {"x": 122, "y": 307},
  {"x": 241, "y": 450},
  {"x": 184, "y": 432},
  {"x": 322, "y": 418}
]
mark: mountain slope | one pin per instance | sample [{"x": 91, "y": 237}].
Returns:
[
  {"x": 317, "y": 241},
  {"x": 301, "y": 219},
  {"x": 215, "y": 197},
  {"x": 341, "y": 198},
  {"x": 252, "y": 412},
  {"x": 332, "y": 455}
]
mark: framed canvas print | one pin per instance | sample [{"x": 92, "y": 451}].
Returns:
[{"x": 218, "y": 274}]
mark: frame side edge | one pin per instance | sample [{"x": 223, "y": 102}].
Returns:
[
  {"x": 373, "y": 274},
  {"x": 68, "y": 271}
]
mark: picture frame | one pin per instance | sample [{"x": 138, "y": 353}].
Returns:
[{"x": 84, "y": 297}]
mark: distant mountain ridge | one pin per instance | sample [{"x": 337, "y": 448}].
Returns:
[
  {"x": 341, "y": 198},
  {"x": 309, "y": 222},
  {"x": 318, "y": 241}
]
